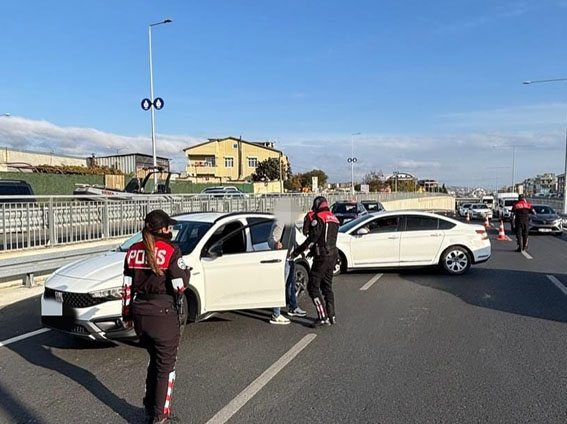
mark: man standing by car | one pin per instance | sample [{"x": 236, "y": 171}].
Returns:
[
  {"x": 522, "y": 210},
  {"x": 278, "y": 234},
  {"x": 155, "y": 278},
  {"x": 323, "y": 228}
]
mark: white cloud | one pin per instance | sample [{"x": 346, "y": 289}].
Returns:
[
  {"x": 415, "y": 164},
  {"x": 28, "y": 134}
]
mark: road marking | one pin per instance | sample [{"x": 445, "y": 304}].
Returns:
[
  {"x": 558, "y": 284},
  {"x": 508, "y": 238},
  {"x": 527, "y": 255},
  {"x": 23, "y": 336},
  {"x": 372, "y": 281},
  {"x": 249, "y": 392}
]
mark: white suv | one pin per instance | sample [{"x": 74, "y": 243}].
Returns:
[
  {"x": 233, "y": 268},
  {"x": 480, "y": 211}
]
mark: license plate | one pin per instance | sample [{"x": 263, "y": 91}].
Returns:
[
  {"x": 59, "y": 296},
  {"x": 545, "y": 230}
]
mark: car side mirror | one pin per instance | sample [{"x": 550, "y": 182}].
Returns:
[
  {"x": 362, "y": 232},
  {"x": 215, "y": 251}
]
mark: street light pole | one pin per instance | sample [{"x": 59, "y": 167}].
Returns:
[
  {"x": 152, "y": 111},
  {"x": 565, "y": 163},
  {"x": 352, "y": 160}
]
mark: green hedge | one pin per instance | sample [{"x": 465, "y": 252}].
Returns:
[
  {"x": 180, "y": 187},
  {"x": 53, "y": 184}
]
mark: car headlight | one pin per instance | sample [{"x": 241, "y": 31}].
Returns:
[
  {"x": 110, "y": 294},
  {"x": 557, "y": 221}
]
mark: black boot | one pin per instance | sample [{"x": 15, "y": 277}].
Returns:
[
  {"x": 321, "y": 323},
  {"x": 333, "y": 320}
]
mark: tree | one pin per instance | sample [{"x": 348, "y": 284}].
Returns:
[
  {"x": 306, "y": 178},
  {"x": 269, "y": 170},
  {"x": 374, "y": 181}
]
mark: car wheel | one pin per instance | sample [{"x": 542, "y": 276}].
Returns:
[
  {"x": 301, "y": 280},
  {"x": 456, "y": 260},
  {"x": 340, "y": 266}
]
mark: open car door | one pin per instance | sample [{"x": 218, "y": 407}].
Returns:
[{"x": 238, "y": 277}]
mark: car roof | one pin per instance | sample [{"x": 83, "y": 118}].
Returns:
[{"x": 213, "y": 217}]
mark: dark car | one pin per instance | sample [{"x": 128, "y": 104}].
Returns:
[
  {"x": 15, "y": 188},
  {"x": 373, "y": 206},
  {"x": 546, "y": 220},
  {"x": 348, "y": 210}
]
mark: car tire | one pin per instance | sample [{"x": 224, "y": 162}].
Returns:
[
  {"x": 301, "y": 280},
  {"x": 455, "y": 260},
  {"x": 340, "y": 266}
]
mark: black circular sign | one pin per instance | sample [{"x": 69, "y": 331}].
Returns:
[
  {"x": 146, "y": 104},
  {"x": 158, "y": 103}
]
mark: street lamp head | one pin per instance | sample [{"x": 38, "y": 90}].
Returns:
[
  {"x": 527, "y": 82},
  {"x": 167, "y": 21}
]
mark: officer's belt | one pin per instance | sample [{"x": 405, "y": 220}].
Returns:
[{"x": 151, "y": 296}]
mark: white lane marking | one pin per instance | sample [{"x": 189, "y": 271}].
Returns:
[
  {"x": 248, "y": 393},
  {"x": 527, "y": 255},
  {"x": 508, "y": 238},
  {"x": 23, "y": 336},
  {"x": 557, "y": 283},
  {"x": 372, "y": 281}
]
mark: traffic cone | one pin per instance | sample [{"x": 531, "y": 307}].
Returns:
[
  {"x": 501, "y": 233},
  {"x": 486, "y": 222},
  {"x": 468, "y": 217}
]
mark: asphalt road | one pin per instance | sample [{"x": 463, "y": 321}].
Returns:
[{"x": 414, "y": 347}]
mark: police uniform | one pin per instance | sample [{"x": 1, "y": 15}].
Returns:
[
  {"x": 151, "y": 302},
  {"x": 522, "y": 210},
  {"x": 322, "y": 230}
]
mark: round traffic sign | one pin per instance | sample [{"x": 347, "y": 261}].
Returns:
[
  {"x": 158, "y": 103},
  {"x": 146, "y": 104}
]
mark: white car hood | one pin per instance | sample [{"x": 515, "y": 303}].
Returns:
[{"x": 86, "y": 275}]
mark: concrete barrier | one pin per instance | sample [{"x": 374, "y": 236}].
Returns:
[{"x": 443, "y": 203}]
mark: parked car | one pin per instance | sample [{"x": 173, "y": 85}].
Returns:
[
  {"x": 223, "y": 191},
  {"x": 15, "y": 188},
  {"x": 547, "y": 221},
  {"x": 373, "y": 206},
  {"x": 348, "y": 210},
  {"x": 233, "y": 268},
  {"x": 408, "y": 239},
  {"x": 464, "y": 208},
  {"x": 480, "y": 211}
]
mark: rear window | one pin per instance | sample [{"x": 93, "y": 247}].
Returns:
[
  {"x": 344, "y": 208},
  {"x": 421, "y": 223},
  {"x": 15, "y": 189},
  {"x": 446, "y": 225}
]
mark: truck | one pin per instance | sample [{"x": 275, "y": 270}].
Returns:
[
  {"x": 488, "y": 201},
  {"x": 503, "y": 205}
]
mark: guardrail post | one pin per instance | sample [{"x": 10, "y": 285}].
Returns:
[
  {"x": 106, "y": 220},
  {"x": 29, "y": 280},
  {"x": 52, "y": 238}
]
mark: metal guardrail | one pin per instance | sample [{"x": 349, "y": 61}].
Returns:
[
  {"x": 42, "y": 221},
  {"x": 27, "y": 266}
]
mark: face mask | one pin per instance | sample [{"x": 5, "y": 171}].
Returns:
[{"x": 167, "y": 236}]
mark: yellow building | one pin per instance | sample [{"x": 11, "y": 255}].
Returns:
[{"x": 230, "y": 159}]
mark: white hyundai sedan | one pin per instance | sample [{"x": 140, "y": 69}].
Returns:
[
  {"x": 233, "y": 268},
  {"x": 410, "y": 239}
]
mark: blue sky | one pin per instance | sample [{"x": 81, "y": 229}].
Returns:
[{"x": 432, "y": 86}]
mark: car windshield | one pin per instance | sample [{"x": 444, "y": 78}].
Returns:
[
  {"x": 509, "y": 202},
  {"x": 544, "y": 210},
  {"x": 353, "y": 223},
  {"x": 344, "y": 208},
  {"x": 186, "y": 234},
  {"x": 480, "y": 206}
]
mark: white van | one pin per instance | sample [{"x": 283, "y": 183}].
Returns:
[{"x": 504, "y": 203}]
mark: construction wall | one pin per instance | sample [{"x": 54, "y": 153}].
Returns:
[
  {"x": 36, "y": 158},
  {"x": 53, "y": 184},
  {"x": 445, "y": 203},
  {"x": 271, "y": 187}
]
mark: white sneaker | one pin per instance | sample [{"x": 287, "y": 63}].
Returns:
[
  {"x": 297, "y": 312},
  {"x": 280, "y": 319}
]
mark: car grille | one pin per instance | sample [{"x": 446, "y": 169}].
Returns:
[{"x": 74, "y": 300}]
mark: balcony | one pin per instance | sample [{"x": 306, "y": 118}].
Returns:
[{"x": 202, "y": 168}]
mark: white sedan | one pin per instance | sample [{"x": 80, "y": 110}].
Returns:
[
  {"x": 233, "y": 268},
  {"x": 411, "y": 239}
]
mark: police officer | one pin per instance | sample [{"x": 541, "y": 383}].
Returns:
[
  {"x": 322, "y": 228},
  {"x": 155, "y": 278},
  {"x": 522, "y": 210}
]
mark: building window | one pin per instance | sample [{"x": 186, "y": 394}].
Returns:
[
  {"x": 228, "y": 162},
  {"x": 235, "y": 146},
  {"x": 252, "y": 162}
]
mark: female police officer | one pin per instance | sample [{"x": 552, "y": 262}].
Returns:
[{"x": 154, "y": 274}]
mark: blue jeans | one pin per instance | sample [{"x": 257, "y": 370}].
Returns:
[{"x": 291, "y": 299}]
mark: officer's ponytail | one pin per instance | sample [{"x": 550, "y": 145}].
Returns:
[{"x": 150, "y": 248}]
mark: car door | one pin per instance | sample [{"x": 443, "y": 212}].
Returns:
[
  {"x": 239, "y": 277},
  {"x": 421, "y": 240},
  {"x": 380, "y": 247}
]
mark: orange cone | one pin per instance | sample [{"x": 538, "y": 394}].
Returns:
[
  {"x": 501, "y": 233},
  {"x": 486, "y": 222},
  {"x": 468, "y": 217}
]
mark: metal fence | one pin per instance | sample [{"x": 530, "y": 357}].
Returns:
[{"x": 38, "y": 221}]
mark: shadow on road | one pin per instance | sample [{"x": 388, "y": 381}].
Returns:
[
  {"x": 524, "y": 293},
  {"x": 15, "y": 409}
]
